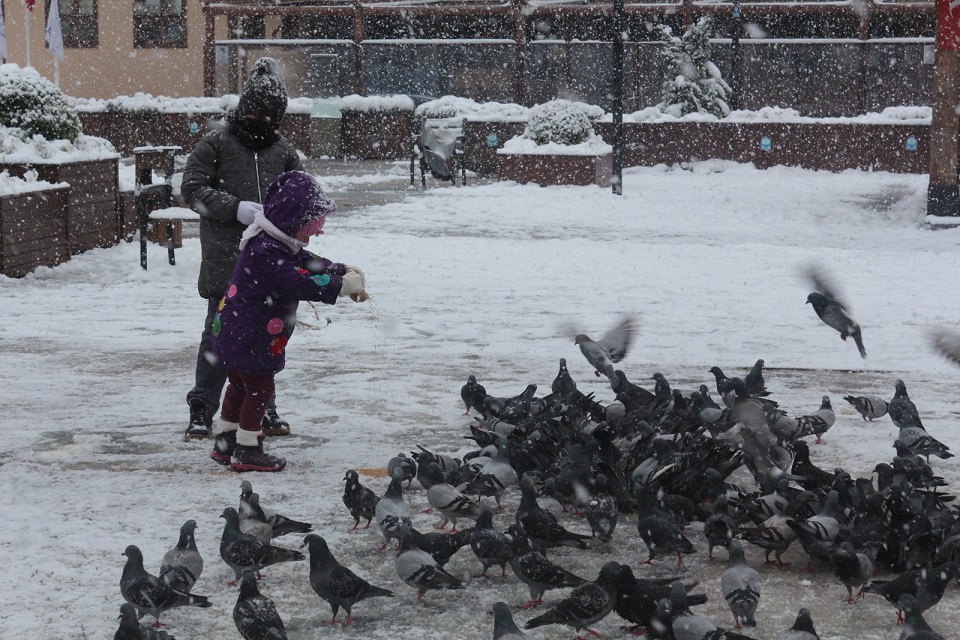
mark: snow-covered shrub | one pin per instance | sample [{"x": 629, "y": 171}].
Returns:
[
  {"x": 692, "y": 84},
  {"x": 558, "y": 121},
  {"x": 32, "y": 103}
]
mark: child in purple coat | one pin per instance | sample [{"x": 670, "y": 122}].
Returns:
[{"x": 257, "y": 315}]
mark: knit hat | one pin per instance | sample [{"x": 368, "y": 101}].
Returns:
[{"x": 264, "y": 93}]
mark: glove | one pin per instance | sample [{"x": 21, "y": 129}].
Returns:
[
  {"x": 246, "y": 211},
  {"x": 350, "y": 269},
  {"x": 352, "y": 284}
]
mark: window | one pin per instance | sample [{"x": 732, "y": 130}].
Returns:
[
  {"x": 78, "y": 22},
  {"x": 159, "y": 24}
]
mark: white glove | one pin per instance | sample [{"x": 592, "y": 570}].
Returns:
[
  {"x": 246, "y": 211},
  {"x": 351, "y": 284},
  {"x": 357, "y": 271}
]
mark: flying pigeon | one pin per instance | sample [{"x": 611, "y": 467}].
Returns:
[
  {"x": 254, "y": 614},
  {"x": 802, "y": 628},
  {"x": 418, "y": 568},
  {"x": 242, "y": 551},
  {"x": 946, "y": 342},
  {"x": 131, "y": 629},
  {"x": 391, "y": 512},
  {"x": 602, "y": 354},
  {"x": 147, "y": 593},
  {"x": 182, "y": 565},
  {"x": 535, "y": 571},
  {"x": 361, "y": 501},
  {"x": 504, "y": 628},
  {"x": 335, "y": 583},
  {"x": 869, "y": 407},
  {"x": 406, "y": 467},
  {"x": 740, "y": 585},
  {"x": 832, "y": 311},
  {"x": 853, "y": 568},
  {"x": 586, "y": 605},
  {"x": 489, "y": 545},
  {"x": 281, "y": 525}
]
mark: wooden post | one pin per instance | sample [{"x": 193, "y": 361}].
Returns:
[
  {"x": 943, "y": 195},
  {"x": 209, "y": 53}
]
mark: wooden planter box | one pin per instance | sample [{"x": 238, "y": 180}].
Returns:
[
  {"x": 376, "y": 135},
  {"x": 33, "y": 231},
  {"x": 482, "y": 138},
  {"x": 549, "y": 170},
  {"x": 92, "y": 211}
]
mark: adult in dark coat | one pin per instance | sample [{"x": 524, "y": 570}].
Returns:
[{"x": 224, "y": 181}]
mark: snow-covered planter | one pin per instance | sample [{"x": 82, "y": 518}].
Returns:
[
  {"x": 33, "y": 224},
  {"x": 376, "y": 127},
  {"x": 30, "y": 102},
  {"x": 558, "y": 122},
  {"x": 524, "y": 161}
]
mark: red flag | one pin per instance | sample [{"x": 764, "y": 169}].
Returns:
[{"x": 30, "y": 4}]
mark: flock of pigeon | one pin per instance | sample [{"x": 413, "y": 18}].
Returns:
[{"x": 662, "y": 459}]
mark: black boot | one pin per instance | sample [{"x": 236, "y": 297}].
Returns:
[
  {"x": 201, "y": 419},
  {"x": 223, "y": 447},
  {"x": 273, "y": 425},
  {"x": 255, "y": 459}
]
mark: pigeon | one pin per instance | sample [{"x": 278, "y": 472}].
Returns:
[
  {"x": 925, "y": 585},
  {"x": 254, "y": 614},
  {"x": 442, "y": 546},
  {"x": 852, "y": 568},
  {"x": 914, "y": 626},
  {"x": 832, "y": 311},
  {"x": 818, "y": 422},
  {"x": 335, "y": 583},
  {"x": 637, "y": 598},
  {"x": 802, "y": 628},
  {"x": 541, "y": 526},
  {"x": 150, "y": 595},
  {"x": 242, "y": 551},
  {"x": 131, "y": 629},
  {"x": 869, "y": 407},
  {"x": 361, "y": 501},
  {"x": 946, "y": 342},
  {"x": 255, "y": 524},
  {"x": 182, "y": 565},
  {"x": 445, "y": 498},
  {"x": 585, "y": 605},
  {"x": 602, "y": 354},
  {"x": 902, "y": 405},
  {"x": 418, "y": 568},
  {"x": 719, "y": 528},
  {"x": 659, "y": 531},
  {"x": 915, "y": 439},
  {"x": 690, "y": 626},
  {"x": 601, "y": 512},
  {"x": 391, "y": 512},
  {"x": 818, "y": 532},
  {"x": 472, "y": 393},
  {"x": 495, "y": 476},
  {"x": 281, "y": 525},
  {"x": 504, "y": 628},
  {"x": 661, "y": 624},
  {"x": 406, "y": 467},
  {"x": 489, "y": 545},
  {"x": 740, "y": 585},
  {"x": 535, "y": 571}
]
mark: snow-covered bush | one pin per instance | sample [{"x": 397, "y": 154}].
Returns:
[
  {"x": 32, "y": 103},
  {"x": 558, "y": 121},
  {"x": 692, "y": 84}
]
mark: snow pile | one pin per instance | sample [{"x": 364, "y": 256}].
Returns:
[
  {"x": 145, "y": 102},
  {"x": 453, "y": 106},
  {"x": 12, "y": 185},
  {"x": 891, "y": 115},
  {"x": 356, "y": 102},
  {"x": 592, "y": 146},
  {"x": 558, "y": 121},
  {"x": 19, "y": 147}
]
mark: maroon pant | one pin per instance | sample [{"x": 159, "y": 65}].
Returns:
[{"x": 246, "y": 399}]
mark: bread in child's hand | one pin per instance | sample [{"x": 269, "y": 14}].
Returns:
[{"x": 359, "y": 297}]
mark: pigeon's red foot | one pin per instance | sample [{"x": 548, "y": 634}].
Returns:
[{"x": 531, "y": 604}]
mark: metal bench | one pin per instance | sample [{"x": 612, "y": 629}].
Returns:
[{"x": 154, "y": 200}]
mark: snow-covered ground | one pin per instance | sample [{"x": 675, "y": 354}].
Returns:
[{"x": 96, "y": 356}]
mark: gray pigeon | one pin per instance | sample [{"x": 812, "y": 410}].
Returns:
[
  {"x": 255, "y": 524},
  {"x": 902, "y": 405},
  {"x": 854, "y": 569},
  {"x": 489, "y": 545},
  {"x": 535, "y": 571},
  {"x": 818, "y": 532},
  {"x": 242, "y": 551},
  {"x": 802, "y": 628},
  {"x": 602, "y": 354},
  {"x": 418, "y": 568},
  {"x": 335, "y": 583},
  {"x": 147, "y": 593},
  {"x": 818, "y": 422},
  {"x": 131, "y": 629},
  {"x": 915, "y": 439},
  {"x": 361, "y": 501},
  {"x": 869, "y": 407},
  {"x": 445, "y": 498},
  {"x": 587, "y": 604},
  {"x": 831, "y": 310},
  {"x": 504, "y": 628},
  {"x": 392, "y": 512},
  {"x": 254, "y": 614},
  {"x": 946, "y": 342},
  {"x": 280, "y": 524},
  {"x": 406, "y": 467},
  {"x": 691, "y": 626},
  {"x": 740, "y": 585},
  {"x": 601, "y": 511},
  {"x": 182, "y": 565}
]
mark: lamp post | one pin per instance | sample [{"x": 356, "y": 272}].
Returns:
[
  {"x": 735, "y": 56},
  {"x": 943, "y": 196},
  {"x": 617, "y": 93}
]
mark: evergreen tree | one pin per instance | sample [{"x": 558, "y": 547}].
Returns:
[{"x": 691, "y": 84}]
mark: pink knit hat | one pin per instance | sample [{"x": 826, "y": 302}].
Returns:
[{"x": 314, "y": 227}]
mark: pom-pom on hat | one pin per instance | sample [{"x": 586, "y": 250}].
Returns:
[
  {"x": 264, "y": 93},
  {"x": 294, "y": 201}
]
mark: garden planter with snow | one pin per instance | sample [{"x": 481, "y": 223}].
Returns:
[{"x": 33, "y": 226}]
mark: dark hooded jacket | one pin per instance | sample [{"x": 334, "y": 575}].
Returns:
[{"x": 259, "y": 310}]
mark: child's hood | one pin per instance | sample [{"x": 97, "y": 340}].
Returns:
[{"x": 293, "y": 199}]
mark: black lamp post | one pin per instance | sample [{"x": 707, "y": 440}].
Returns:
[
  {"x": 735, "y": 56},
  {"x": 617, "y": 92}
]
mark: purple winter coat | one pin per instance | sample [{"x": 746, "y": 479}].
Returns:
[{"x": 257, "y": 315}]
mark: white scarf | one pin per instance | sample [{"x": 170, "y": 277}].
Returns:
[{"x": 260, "y": 223}]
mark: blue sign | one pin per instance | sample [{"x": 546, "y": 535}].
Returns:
[
  {"x": 765, "y": 144},
  {"x": 911, "y": 143},
  {"x": 492, "y": 140},
  {"x": 194, "y": 127}
]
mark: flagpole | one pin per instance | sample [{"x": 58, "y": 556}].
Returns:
[
  {"x": 26, "y": 19},
  {"x": 56, "y": 71}
]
